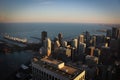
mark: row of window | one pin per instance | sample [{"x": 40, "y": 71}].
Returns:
[{"x": 43, "y": 75}]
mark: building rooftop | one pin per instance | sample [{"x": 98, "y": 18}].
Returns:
[
  {"x": 53, "y": 65},
  {"x": 51, "y": 61},
  {"x": 68, "y": 69}
]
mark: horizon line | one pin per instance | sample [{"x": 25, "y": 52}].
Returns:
[{"x": 67, "y": 22}]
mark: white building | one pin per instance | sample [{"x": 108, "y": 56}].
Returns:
[
  {"x": 48, "y": 46},
  {"x": 64, "y": 43},
  {"x": 51, "y": 69},
  {"x": 75, "y": 43},
  {"x": 56, "y": 44},
  {"x": 81, "y": 38}
]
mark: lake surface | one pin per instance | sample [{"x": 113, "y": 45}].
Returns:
[
  {"x": 28, "y": 30},
  {"x": 10, "y": 62}
]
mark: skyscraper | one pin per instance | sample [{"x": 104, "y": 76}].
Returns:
[
  {"x": 90, "y": 50},
  {"x": 56, "y": 44},
  {"x": 82, "y": 47},
  {"x": 43, "y": 36},
  {"x": 64, "y": 43},
  {"x": 109, "y": 33},
  {"x": 115, "y": 32},
  {"x": 81, "y": 38},
  {"x": 93, "y": 40},
  {"x": 60, "y": 37},
  {"x": 75, "y": 43},
  {"x": 48, "y": 46}
]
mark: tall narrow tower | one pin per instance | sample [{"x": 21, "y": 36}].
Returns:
[
  {"x": 80, "y": 40},
  {"x": 60, "y": 38},
  {"x": 48, "y": 46},
  {"x": 43, "y": 36},
  {"x": 115, "y": 33}
]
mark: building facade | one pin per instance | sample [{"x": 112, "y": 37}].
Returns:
[
  {"x": 43, "y": 36},
  {"x": 51, "y": 69}
]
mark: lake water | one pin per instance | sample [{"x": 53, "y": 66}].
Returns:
[{"x": 69, "y": 30}]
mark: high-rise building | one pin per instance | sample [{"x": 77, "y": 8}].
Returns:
[
  {"x": 42, "y": 51},
  {"x": 115, "y": 32},
  {"x": 75, "y": 43},
  {"x": 100, "y": 39},
  {"x": 90, "y": 50},
  {"x": 107, "y": 40},
  {"x": 43, "y": 36},
  {"x": 73, "y": 51},
  {"x": 115, "y": 45},
  {"x": 105, "y": 55},
  {"x": 60, "y": 38},
  {"x": 93, "y": 41},
  {"x": 81, "y": 38},
  {"x": 91, "y": 60},
  {"x": 48, "y": 46},
  {"x": 82, "y": 47},
  {"x": 87, "y": 35},
  {"x": 64, "y": 43},
  {"x": 109, "y": 33},
  {"x": 56, "y": 44},
  {"x": 96, "y": 52},
  {"x": 51, "y": 69}
]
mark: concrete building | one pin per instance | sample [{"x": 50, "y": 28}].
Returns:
[
  {"x": 74, "y": 43},
  {"x": 43, "y": 36},
  {"x": 91, "y": 60},
  {"x": 56, "y": 44},
  {"x": 115, "y": 32},
  {"x": 107, "y": 40},
  {"x": 100, "y": 39},
  {"x": 96, "y": 52},
  {"x": 63, "y": 54},
  {"x": 64, "y": 43},
  {"x": 51, "y": 69},
  {"x": 90, "y": 50},
  {"x": 82, "y": 47},
  {"x": 93, "y": 41},
  {"x": 42, "y": 51},
  {"x": 105, "y": 55},
  {"x": 81, "y": 38},
  {"x": 48, "y": 46},
  {"x": 115, "y": 45},
  {"x": 60, "y": 38},
  {"x": 109, "y": 33}
]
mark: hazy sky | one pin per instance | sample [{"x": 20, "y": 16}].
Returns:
[{"x": 87, "y": 11}]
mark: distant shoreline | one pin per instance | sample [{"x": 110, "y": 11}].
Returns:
[{"x": 59, "y": 23}]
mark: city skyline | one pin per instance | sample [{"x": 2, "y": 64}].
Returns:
[{"x": 75, "y": 11}]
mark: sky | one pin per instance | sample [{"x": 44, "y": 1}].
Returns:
[{"x": 76, "y": 11}]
